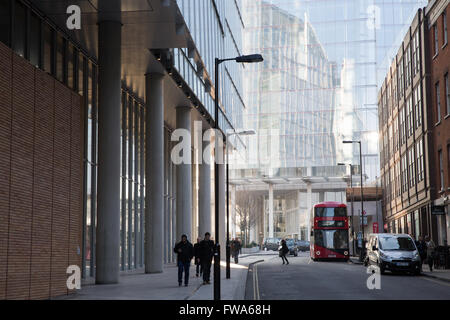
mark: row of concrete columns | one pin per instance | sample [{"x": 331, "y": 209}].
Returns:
[{"x": 159, "y": 227}]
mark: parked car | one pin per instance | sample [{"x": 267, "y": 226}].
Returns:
[
  {"x": 271, "y": 244},
  {"x": 303, "y": 245},
  {"x": 292, "y": 246},
  {"x": 393, "y": 252}
]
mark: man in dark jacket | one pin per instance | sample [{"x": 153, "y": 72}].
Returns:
[
  {"x": 185, "y": 253},
  {"x": 198, "y": 269},
  {"x": 236, "y": 250},
  {"x": 206, "y": 253},
  {"x": 422, "y": 248}
]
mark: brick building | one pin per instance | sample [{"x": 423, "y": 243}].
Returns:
[
  {"x": 438, "y": 12},
  {"x": 414, "y": 136}
]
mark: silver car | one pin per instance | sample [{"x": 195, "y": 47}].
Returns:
[{"x": 393, "y": 252}]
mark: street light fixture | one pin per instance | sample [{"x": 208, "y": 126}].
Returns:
[
  {"x": 242, "y": 59},
  {"x": 228, "y": 248},
  {"x": 361, "y": 255},
  {"x": 351, "y": 186}
]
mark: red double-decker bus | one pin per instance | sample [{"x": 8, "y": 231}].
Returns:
[{"x": 329, "y": 231}]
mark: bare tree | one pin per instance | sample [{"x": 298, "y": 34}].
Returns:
[{"x": 247, "y": 210}]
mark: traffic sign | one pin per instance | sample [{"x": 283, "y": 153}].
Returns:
[{"x": 375, "y": 227}]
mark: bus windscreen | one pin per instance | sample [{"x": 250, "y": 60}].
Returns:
[{"x": 330, "y": 212}]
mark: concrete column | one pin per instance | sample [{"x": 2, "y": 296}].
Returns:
[
  {"x": 166, "y": 198},
  {"x": 154, "y": 173},
  {"x": 300, "y": 219},
  {"x": 222, "y": 212},
  {"x": 309, "y": 205},
  {"x": 270, "y": 211},
  {"x": 204, "y": 196},
  {"x": 184, "y": 179},
  {"x": 109, "y": 125},
  {"x": 174, "y": 209}
]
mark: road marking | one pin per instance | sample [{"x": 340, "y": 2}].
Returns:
[
  {"x": 437, "y": 281},
  {"x": 257, "y": 297}
]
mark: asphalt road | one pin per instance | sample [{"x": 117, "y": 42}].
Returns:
[{"x": 304, "y": 279}]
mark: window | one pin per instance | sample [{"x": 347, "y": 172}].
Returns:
[
  {"x": 20, "y": 29},
  {"x": 402, "y": 126},
  {"x": 408, "y": 66},
  {"x": 441, "y": 169},
  {"x": 436, "y": 40},
  {"x": 404, "y": 174},
  {"x": 438, "y": 102},
  {"x": 409, "y": 116},
  {"x": 411, "y": 163},
  {"x": 418, "y": 105},
  {"x": 48, "y": 48},
  {"x": 35, "y": 40},
  {"x": 416, "y": 53},
  {"x": 444, "y": 27},
  {"x": 395, "y": 134},
  {"x": 420, "y": 159},
  {"x": 447, "y": 94},
  {"x": 398, "y": 179},
  {"x": 400, "y": 79},
  {"x": 60, "y": 44},
  {"x": 5, "y": 21}
]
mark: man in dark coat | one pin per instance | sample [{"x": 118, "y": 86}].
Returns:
[
  {"x": 422, "y": 248},
  {"x": 236, "y": 250},
  {"x": 206, "y": 252},
  {"x": 185, "y": 253},
  {"x": 198, "y": 269}
]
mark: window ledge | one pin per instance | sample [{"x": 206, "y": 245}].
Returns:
[
  {"x": 445, "y": 44},
  {"x": 435, "y": 56},
  {"x": 447, "y": 116},
  {"x": 437, "y": 123}
]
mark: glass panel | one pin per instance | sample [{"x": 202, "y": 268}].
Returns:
[
  {"x": 330, "y": 212},
  {"x": 5, "y": 21},
  {"x": 60, "y": 43},
  {"x": 20, "y": 28},
  {"x": 35, "y": 40},
  {"x": 70, "y": 65},
  {"x": 48, "y": 48}
]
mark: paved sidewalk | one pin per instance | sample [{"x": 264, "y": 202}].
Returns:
[
  {"x": 137, "y": 285},
  {"x": 233, "y": 288},
  {"x": 443, "y": 275}
]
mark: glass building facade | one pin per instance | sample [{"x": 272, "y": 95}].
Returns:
[{"x": 318, "y": 85}]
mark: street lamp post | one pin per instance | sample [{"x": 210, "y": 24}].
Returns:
[
  {"x": 361, "y": 255},
  {"x": 228, "y": 248},
  {"x": 351, "y": 187},
  {"x": 242, "y": 59}
]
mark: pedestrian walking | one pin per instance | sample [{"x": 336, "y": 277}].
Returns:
[
  {"x": 206, "y": 253},
  {"x": 430, "y": 252},
  {"x": 283, "y": 250},
  {"x": 236, "y": 250},
  {"x": 198, "y": 265},
  {"x": 422, "y": 248},
  {"x": 185, "y": 253}
]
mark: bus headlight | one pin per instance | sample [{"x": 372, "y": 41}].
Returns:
[
  {"x": 318, "y": 253},
  {"x": 345, "y": 253}
]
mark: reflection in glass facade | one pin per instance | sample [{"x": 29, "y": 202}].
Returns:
[
  {"x": 215, "y": 27},
  {"x": 318, "y": 84}
]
